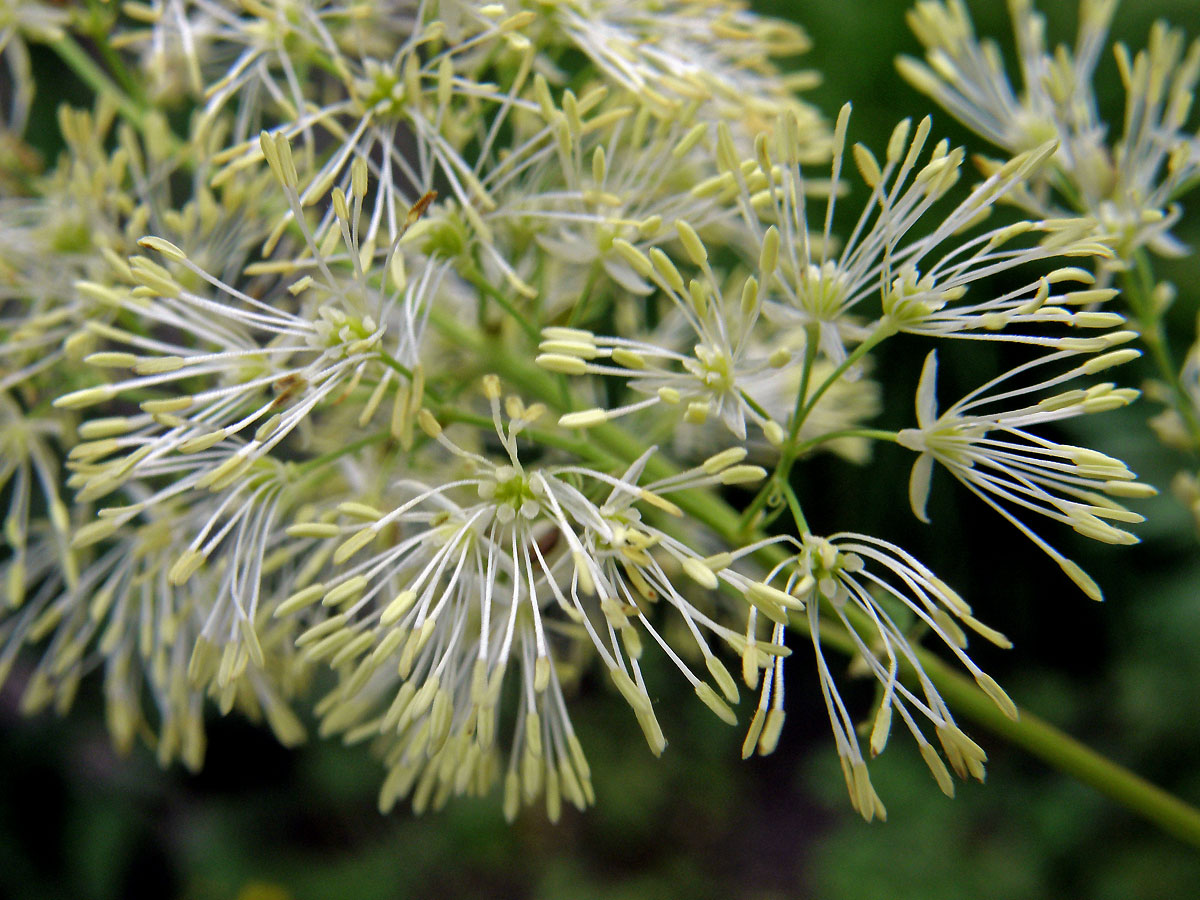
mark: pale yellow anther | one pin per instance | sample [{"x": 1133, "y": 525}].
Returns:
[
  {"x": 340, "y": 207},
  {"x": 770, "y": 607},
  {"x": 159, "y": 365},
  {"x": 166, "y": 406},
  {"x": 1130, "y": 489},
  {"x": 86, "y": 397},
  {"x": 687, "y": 143},
  {"x": 599, "y": 165},
  {"x": 642, "y": 708},
  {"x": 517, "y": 21},
  {"x": 541, "y": 673},
  {"x": 743, "y": 474},
  {"x": 774, "y": 433},
  {"x": 353, "y": 544},
  {"x": 90, "y": 451},
  {"x": 398, "y": 607},
  {"x": 749, "y": 296},
  {"x": 588, "y": 418},
  {"x": 1082, "y": 580},
  {"x": 691, "y": 242},
  {"x": 727, "y": 155},
  {"x": 108, "y": 427},
  {"x": 1108, "y": 360},
  {"x": 558, "y": 362},
  {"x": 429, "y": 424},
  {"x": 301, "y": 599},
  {"x": 1095, "y": 319},
  {"x": 111, "y": 360},
  {"x": 571, "y": 335},
  {"x": 514, "y": 407},
  {"x": 186, "y": 566},
  {"x": 99, "y": 293},
  {"x": 937, "y": 768},
  {"x": 723, "y": 460},
  {"x": 660, "y": 502},
  {"x": 881, "y": 728},
  {"x": 650, "y": 226},
  {"x": 710, "y": 699},
  {"x": 988, "y": 685},
  {"x": 700, "y": 573},
  {"x": 868, "y": 167},
  {"x": 321, "y": 629},
  {"x": 347, "y": 590},
  {"x": 628, "y": 358},
  {"x": 666, "y": 270},
  {"x": 165, "y": 247},
  {"x": 768, "y": 257},
  {"x": 772, "y": 729},
  {"x": 1086, "y": 298},
  {"x": 356, "y": 510}
]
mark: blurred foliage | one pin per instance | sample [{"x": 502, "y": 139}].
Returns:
[{"x": 262, "y": 823}]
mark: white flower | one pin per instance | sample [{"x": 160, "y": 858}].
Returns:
[
  {"x": 719, "y": 364},
  {"x": 628, "y": 181},
  {"x": 524, "y": 569},
  {"x": 28, "y": 458},
  {"x": 265, "y": 58},
  {"x": 996, "y": 455},
  {"x": 677, "y": 51},
  {"x": 424, "y": 117},
  {"x": 167, "y": 629},
  {"x": 267, "y": 365},
  {"x": 1128, "y": 185},
  {"x": 860, "y": 580},
  {"x": 915, "y": 259}
]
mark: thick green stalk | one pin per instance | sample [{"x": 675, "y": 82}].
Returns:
[
  {"x": 1032, "y": 734},
  {"x": 1063, "y": 752}
]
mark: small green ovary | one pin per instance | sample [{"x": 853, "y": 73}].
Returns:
[
  {"x": 344, "y": 334},
  {"x": 821, "y": 291},
  {"x": 714, "y": 368}
]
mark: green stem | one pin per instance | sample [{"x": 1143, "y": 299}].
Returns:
[
  {"x": 793, "y": 504},
  {"x": 1029, "y": 732},
  {"x": 319, "y": 462},
  {"x": 812, "y": 337},
  {"x": 1062, "y": 752},
  {"x": 581, "y": 304},
  {"x": 487, "y": 289},
  {"x": 583, "y": 449},
  {"x": 79, "y": 62},
  {"x": 874, "y": 339},
  {"x": 101, "y": 17},
  {"x": 872, "y": 434}
]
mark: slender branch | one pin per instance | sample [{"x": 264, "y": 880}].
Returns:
[
  {"x": 91, "y": 74},
  {"x": 1049, "y": 744},
  {"x": 79, "y": 62},
  {"x": 1064, "y": 753}
]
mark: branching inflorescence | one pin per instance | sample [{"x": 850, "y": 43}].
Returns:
[{"x": 381, "y": 391}]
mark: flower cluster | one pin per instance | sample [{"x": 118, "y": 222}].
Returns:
[
  {"x": 1128, "y": 186},
  {"x": 408, "y": 369}
]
